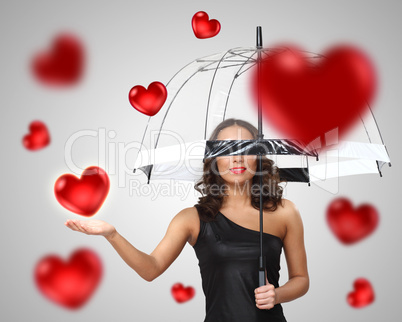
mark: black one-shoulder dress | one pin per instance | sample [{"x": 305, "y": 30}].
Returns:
[{"x": 228, "y": 259}]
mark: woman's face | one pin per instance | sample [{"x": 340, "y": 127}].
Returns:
[{"x": 240, "y": 168}]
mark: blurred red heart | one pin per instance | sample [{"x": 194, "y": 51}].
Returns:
[
  {"x": 203, "y": 27},
  {"x": 363, "y": 294},
  {"x": 307, "y": 97},
  {"x": 71, "y": 283},
  {"x": 148, "y": 101},
  {"x": 38, "y": 136},
  {"x": 83, "y": 196},
  {"x": 351, "y": 225},
  {"x": 182, "y": 294},
  {"x": 63, "y": 64}
]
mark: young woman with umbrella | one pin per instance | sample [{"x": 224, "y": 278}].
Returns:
[{"x": 223, "y": 228}]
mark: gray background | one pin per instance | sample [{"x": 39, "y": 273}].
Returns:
[{"x": 135, "y": 43}]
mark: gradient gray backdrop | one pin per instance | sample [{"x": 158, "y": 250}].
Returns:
[{"x": 135, "y": 43}]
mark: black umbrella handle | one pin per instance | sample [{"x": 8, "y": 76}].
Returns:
[{"x": 262, "y": 272}]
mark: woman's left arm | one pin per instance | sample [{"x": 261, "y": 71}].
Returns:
[
  {"x": 295, "y": 253},
  {"x": 293, "y": 243}
]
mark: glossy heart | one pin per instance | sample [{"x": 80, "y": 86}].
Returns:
[
  {"x": 148, "y": 101},
  {"x": 70, "y": 283},
  {"x": 203, "y": 27},
  {"x": 63, "y": 64},
  {"x": 85, "y": 195},
  {"x": 306, "y": 96},
  {"x": 351, "y": 225},
  {"x": 182, "y": 294},
  {"x": 362, "y": 295},
  {"x": 38, "y": 136}
]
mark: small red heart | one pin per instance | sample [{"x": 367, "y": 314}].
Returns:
[
  {"x": 148, "y": 101},
  {"x": 38, "y": 136},
  {"x": 182, "y": 294},
  {"x": 71, "y": 283},
  {"x": 63, "y": 64},
  {"x": 363, "y": 294},
  {"x": 203, "y": 27},
  {"x": 305, "y": 98},
  {"x": 83, "y": 196},
  {"x": 351, "y": 225}
]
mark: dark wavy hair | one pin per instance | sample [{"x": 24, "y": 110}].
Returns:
[{"x": 213, "y": 188}]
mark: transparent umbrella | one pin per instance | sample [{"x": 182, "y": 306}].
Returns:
[{"x": 217, "y": 87}]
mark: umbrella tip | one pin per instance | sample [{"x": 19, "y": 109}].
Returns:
[{"x": 259, "y": 37}]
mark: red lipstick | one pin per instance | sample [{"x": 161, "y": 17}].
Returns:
[{"x": 238, "y": 170}]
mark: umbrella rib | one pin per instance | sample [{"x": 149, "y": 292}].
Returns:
[
  {"x": 379, "y": 132},
  {"x": 149, "y": 119},
  {"x": 227, "y": 66},
  {"x": 234, "y": 78},
  {"x": 173, "y": 99},
  {"x": 209, "y": 95},
  {"x": 376, "y": 124}
]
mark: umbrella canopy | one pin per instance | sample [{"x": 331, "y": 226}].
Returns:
[{"x": 211, "y": 89}]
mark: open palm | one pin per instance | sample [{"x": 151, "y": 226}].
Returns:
[{"x": 91, "y": 227}]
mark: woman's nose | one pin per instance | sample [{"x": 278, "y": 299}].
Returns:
[{"x": 238, "y": 158}]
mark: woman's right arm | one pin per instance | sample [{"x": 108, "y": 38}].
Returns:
[{"x": 147, "y": 266}]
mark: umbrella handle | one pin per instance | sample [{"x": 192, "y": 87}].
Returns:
[{"x": 262, "y": 272}]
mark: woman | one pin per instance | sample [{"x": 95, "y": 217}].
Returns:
[{"x": 223, "y": 228}]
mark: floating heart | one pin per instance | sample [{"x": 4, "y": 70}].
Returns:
[
  {"x": 148, "y": 101},
  {"x": 182, "y": 294},
  {"x": 63, "y": 64},
  {"x": 363, "y": 294},
  {"x": 71, "y": 283},
  {"x": 203, "y": 27},
  {"x": 305, "y": 98},
  {"x": 38, "y": 136},
  {"x": 351, "y": 225},
  {"x": 83, "y": 196}
]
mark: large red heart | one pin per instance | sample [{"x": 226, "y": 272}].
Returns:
[
  {"x": 63, "y": 64},
  {"x": 305, "y": 97},
  {"x": 203, "y": 27},
  {"x": 38, "y": 136},
  {"x": 363, "y": 294},
  {"x": 182, "y": 294},
  {"x": 148, "y": 101},
  {"x": 351, "y": 225},
  {"x": 85, "y": 195},
  {"x": 71, "y": 283}
]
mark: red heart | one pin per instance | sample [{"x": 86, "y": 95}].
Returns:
[
  {"x": 148, "y": 101},
  {"x": 63, "y": 64},
  {"x": 38, "y": 136},
  {"x": 69, "y": 284},
  {"x": 351, "y": 225},
  {"x": 305, "y": 98},
  {"x": 182, "y": 294},
  {"x": 85, "y": 195},
  {"x": 203, "y": 27},
  {"x": 363, "y": 294}
]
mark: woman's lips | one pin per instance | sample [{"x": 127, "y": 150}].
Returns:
[{"x": 238, "y": 170}]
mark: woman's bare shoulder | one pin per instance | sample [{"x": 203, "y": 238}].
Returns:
[
  {"x": 189, "y": 213},
  {"x": 289, "y": 209},
  {"x": 188, "y": 217}
]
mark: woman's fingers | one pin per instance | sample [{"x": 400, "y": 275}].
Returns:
[
  {"x": 265, "y": 297},
  {"x": 75, "y": 225},
  {"x": 70, "y": 224},
  {"x": 89, "y": 227}
]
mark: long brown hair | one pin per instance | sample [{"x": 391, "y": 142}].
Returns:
[{"x": 213, "y": 188}]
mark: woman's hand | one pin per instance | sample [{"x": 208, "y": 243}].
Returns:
[
  {"x": 91, "y": 227},
  {"x": 265, "y": 296}
]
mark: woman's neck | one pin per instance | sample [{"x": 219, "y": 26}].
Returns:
[{"x": 237, "y": 195}]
